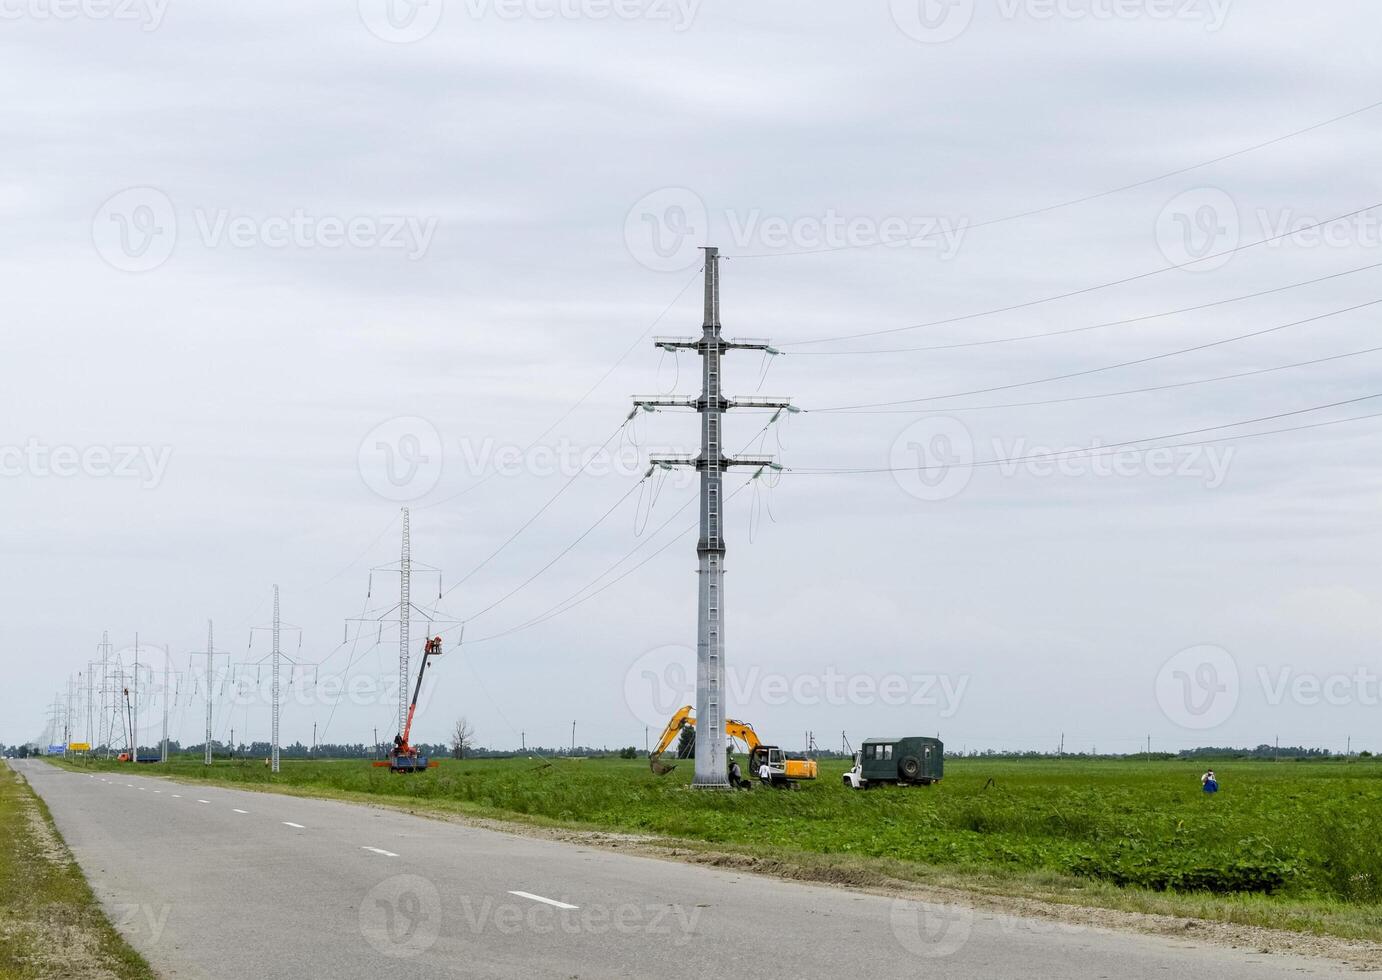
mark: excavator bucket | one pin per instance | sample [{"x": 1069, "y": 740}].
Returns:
[{"x": 659, "y": 767}]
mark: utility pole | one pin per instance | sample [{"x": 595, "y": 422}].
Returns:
[
  {"x": 232, "y": 743},
  {"x": 103, "y": 733},
  {"x": 314, "y": 738},
  {"x": 405, "y": 606},
  {"x": 211, "y": 654},
  {"x": 523, "y": 741},
  {"x": 711, "y": 768},
  {"x": 163, "y": 746},
  {"x": 134, "y": 710},
  {"x": 573, "y": 738},
  {"x": 277, "y": 655}
]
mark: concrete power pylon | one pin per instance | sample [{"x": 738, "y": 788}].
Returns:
[{"x": 711, "y": 741}]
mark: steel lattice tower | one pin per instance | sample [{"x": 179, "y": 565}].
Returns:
[
  {"x": 210, "y": 687},
  {"x": 711, "y": 741},
  {"x": 405, "y": 605},
  {"x": 277, "y": 656}
]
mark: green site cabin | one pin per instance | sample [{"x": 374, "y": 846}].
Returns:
[{"x": 914, "y": 759}]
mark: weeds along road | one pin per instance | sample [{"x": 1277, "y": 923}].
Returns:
[{"x": 213, "y": 882}]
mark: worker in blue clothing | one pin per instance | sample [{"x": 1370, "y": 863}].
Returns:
[{"x": 1209, "y": 782}]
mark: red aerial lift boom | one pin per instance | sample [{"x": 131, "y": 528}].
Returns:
[{"x": 403, "y": 757}]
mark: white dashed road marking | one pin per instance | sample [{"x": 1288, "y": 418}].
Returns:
[
  {"x": 546, "y": 901},
  {"x": 376, "y": 850},
  {"x": 289, "y": 823},
  {"x": 239, "y": 811}
]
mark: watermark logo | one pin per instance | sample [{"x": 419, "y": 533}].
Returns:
[
  {"x": 141, "y": 921},
  {"x": 148, "y": 14},
  {"x": 1307, "y": 689},
  {"x": 665, "y": 229},
  {"x": 135, "y": 230},
  {"x": 138, "y": 229},
  {"x": 39, "y": 460},
  {"x": 1198, "y": 688},
  {"x": 939, "y": 21},
  {"x": 401, "y": 916},
  {"x": 401, "y": 459},
  {"x": 676, "y": 923},
  {"x": 401, "y": 21},
  {"x": 931, "y": 931},
  {"x": 663, "y": 679},
  {"x": 1197, "y": 224},
  {"x": 932, "y": 21},
  {"x": 933, "y": 458}
]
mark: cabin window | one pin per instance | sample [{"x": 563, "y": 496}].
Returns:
[{"x": 887, "y": 751}]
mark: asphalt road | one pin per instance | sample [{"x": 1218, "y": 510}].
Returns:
[{"x": 213, "y": 882}]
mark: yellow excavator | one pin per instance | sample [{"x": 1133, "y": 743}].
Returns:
[{"x": 768, "y": 762}]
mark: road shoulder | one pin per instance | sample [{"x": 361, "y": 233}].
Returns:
[{"x": 50, "y": 922}]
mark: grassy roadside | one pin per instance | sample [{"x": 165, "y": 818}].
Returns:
[
  {"x": 50, "y": 923},
  {"x": 1016, "y": 830}
]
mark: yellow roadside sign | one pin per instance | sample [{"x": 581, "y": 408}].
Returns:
[{"x": 78, "y": 747}]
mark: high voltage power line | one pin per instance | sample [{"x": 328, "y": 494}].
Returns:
[
  {"x": 1106, "y": 367},
  {"x": 1084, "y": 329},
  {"x": 1085, "y": 290},
  {"x": 1034, "y": 212}
]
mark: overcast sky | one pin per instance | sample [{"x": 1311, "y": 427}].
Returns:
[{"x": 272, "y": 272}]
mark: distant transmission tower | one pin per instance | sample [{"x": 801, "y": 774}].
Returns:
[
  {"x": 276, "y": 656},
  {"x": 405, "y": 610},
  {"x": 211, "y": 654},
  {"x": 711, "y": 766},
  {"x": 405, "y": 605}
]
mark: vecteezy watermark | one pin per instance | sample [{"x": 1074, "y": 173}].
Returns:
[
  {"x": 406, "y": 21},
  {"x": 1200, "y": 229},
  {"x": 401, "y": 916},
  {"x": 306, "y": 686},
  {"x": 931, "y": 931},
  {"x": 664, "y": 230},
  {"x": 145, "y": 463},
  {"x": 141, "y": 921},
  {"x": 543, "y": 916},
  {"x": 1198, "y": 688},
  {"x": 939, "y": 21},
  {"x": 138, "y": 229},
  {"x": 933, "y": 459},
  {"x": 663, "y": 679},
  {"x": 566, "y": 458},
  {"x": 401, "y": 21},
  {"x": 401, "y": 459},
  {"x": 1361, "y": 687},
  {"x": 148, "y": 14},
  {"x": 1201, "y": 687}
]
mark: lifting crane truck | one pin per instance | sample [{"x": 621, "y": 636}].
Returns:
[
  {"x": 403, "y": 757},
  {"x": 768, "y": 762}
]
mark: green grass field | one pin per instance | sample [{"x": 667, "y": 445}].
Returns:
[
  {"x": 1286, "y": 843},
  {"x": 50, "y": 923}
]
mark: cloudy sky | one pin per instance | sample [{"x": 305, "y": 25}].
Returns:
[{"x": 272, "y": 273}]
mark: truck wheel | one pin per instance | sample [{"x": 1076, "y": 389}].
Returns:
[{"x": 911, "y": 768}]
